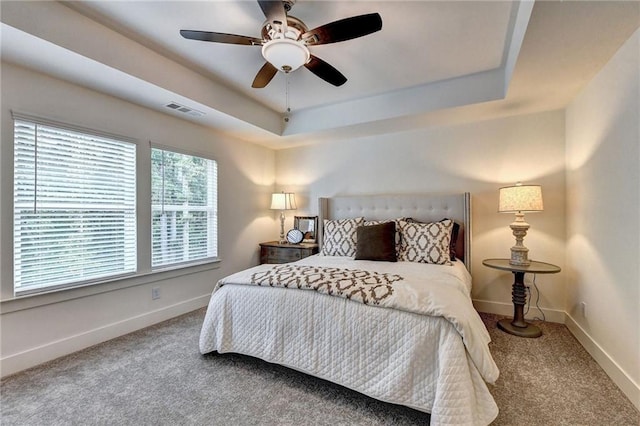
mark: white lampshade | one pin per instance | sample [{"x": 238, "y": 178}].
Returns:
[
  {"x": 283, "y": 201},
  {"x": 520, "y": 198},
  {"x": 286, "y": 55}
]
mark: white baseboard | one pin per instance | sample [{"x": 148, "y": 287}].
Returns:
[
  {"x": 21, "y": 361},
  {"x": 613, "y": 370},
  {"x": 498, "y": 308}
]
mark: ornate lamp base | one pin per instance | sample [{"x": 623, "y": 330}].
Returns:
[
  {"x": 519, "y": 253},
  {"x": 519, "y": 256},
  {"x": 282, "y": 239}
]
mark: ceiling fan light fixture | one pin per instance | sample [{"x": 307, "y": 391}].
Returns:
[
  {"x": 285, "y": 40},
  {"x": 285, "y": 54}
]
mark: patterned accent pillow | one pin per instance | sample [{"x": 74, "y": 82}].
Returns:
[
  {"x": 455, "y": 230},
  {"x": 425, "y": 242},
  {"x": 339, "y": 237}
]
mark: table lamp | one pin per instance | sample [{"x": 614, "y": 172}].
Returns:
[
  {"x": 519, "y": 199},
  {"x": 283, "y": 201}
]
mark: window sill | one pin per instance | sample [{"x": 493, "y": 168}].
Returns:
[{"x": 30, "y": 301}]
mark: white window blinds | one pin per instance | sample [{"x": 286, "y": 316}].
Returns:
[
  {"x": 184, "y": 208},
  {"x": 74, "y": 206}
]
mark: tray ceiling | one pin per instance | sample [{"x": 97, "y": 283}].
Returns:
[{"x": 429, "y": 56}]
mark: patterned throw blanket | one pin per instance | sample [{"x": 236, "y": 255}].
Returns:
[{"x": 362, "y": 286}]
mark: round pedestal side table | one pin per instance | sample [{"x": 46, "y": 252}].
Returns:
[{"x": 518, "y": 326}]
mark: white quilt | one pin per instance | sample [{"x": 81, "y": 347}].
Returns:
[{"x": 432, "y": 355}]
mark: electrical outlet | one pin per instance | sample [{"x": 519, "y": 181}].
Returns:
[
  {"x": 583, "y": 309},
  {"x": 155, "y": 293}
]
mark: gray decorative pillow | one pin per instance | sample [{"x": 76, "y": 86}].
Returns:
[
  {"x": 425, "y": 242},
  {"x": 339, "y": 236}
]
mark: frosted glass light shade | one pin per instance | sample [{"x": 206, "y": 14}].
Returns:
[
  {"x": 286, "y": 55},
  {"x": 520, "y": 198},
  {"x": 283, "y": 201}
]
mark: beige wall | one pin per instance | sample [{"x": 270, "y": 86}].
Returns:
[
  {"x": 476, "y": 157},
  {"x": 603, "y": 207},
  {"x": 44, "y": 327}
]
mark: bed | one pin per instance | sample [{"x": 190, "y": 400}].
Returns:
[{"x": 403, "y": 332}]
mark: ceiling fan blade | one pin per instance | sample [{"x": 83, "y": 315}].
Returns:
[
  {"x": 325, "y": 71},
  {"x": 344, "y": 29},
  {"x": 220, "y": 37},
  {"x": 264, "y": 76},
  {"x": 274, "y": 12}
]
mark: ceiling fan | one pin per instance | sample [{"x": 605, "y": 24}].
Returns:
[{"x": 286, "y": 40}]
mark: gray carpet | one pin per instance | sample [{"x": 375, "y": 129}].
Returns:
[
  {"x": 157, "y": 377},
  {"x": 552, "y": 380}
]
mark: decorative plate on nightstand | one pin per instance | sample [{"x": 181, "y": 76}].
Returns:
[{"x": 295, "y": 236}]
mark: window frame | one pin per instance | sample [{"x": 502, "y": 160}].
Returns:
[
  {"x": 128, "y": 208},
  {"x": 12, "y": 302}
]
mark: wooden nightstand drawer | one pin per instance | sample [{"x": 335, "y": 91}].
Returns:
[{"x": 273, "y": 252}]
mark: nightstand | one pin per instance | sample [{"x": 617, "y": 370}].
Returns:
[
  {"x": 274, "y": 252},
  {"x": 518, "y": 326}
]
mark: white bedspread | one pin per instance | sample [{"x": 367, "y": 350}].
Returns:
[{"x": 414, "y": 356}]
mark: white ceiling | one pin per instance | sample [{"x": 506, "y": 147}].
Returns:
[
  {"x": 433, "y": 61},
  {"x": 426, "y": 42}
]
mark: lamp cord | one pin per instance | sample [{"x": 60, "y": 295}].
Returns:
[{"x": 528, "y": 288}]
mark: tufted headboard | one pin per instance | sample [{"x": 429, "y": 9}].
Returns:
[{"x": 421, "y": 207}]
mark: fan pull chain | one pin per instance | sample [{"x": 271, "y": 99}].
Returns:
[{"x": 288, "y": 109}]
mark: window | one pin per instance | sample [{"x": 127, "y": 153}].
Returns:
[
  {"x": 184, "y": 208},
  {"x": 74, "y": 206}
]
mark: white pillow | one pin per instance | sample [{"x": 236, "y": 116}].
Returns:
[
  {"x": 339, "y": 237},
  {"x": 425, "y": 242}
]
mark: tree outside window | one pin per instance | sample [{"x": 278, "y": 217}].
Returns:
[{"x": 184, "y": 207}]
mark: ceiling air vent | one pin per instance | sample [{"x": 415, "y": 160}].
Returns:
[{"x": 183, "y": 109}]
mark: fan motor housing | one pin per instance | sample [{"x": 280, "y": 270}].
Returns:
[
  {"x": 295, "y": 29},
  {"x": 288, "y": 4}
]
